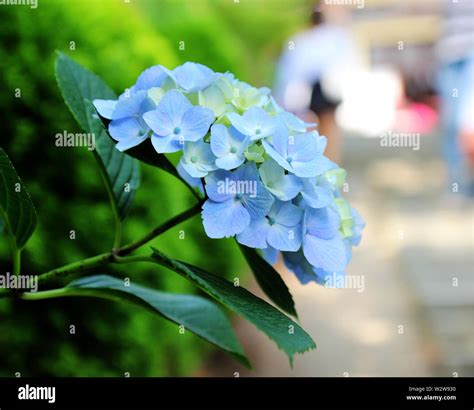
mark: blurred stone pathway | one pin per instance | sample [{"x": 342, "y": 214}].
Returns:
[{"x": 410, "y": 320}]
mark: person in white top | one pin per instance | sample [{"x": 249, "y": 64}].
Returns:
[{"x": 308, "y": 72}]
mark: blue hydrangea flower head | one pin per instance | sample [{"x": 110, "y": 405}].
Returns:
[
  {"x": 175, "y": 120},
  {"x": 263, "y": 175}
]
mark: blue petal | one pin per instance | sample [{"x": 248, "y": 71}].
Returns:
[
  {"x": 160, "y": 122},
  {"x": 193, "y": 170},
  {"x": 130, "y": 143},
  {"x": 105, "y": 107},
  {"x": 167, "y": 144},
  {"x": 220, "y": 143},
  {"x": 293, "y": 122},
  {"x": 270, "y": 150},
  {"x": 126, "y": 128},
  {"x": 239, "y": 123},
  {"x": 174, "y": 104},
  {"x": 129, "y": 106},
  {"x": 197, "y": 159},
  {"x": 303, "y": 147},
  {"x": 196, "y": 123},
  {"x": 255, "y": 234},
  {"x": 314, "y": 195},
  {"x": 322, "y": 222},
  {"x": 284, "y": 238},
  {"x": 224, "y": 219},
  {"x": 327, "y": 254},
  {"x": 151, "y": 77},
  {"x": 270, "y": 255},
  {"x": 314, "y": 167},
  {"x": 230, "y": 161},
  {"x": 217, "y": 183},
  {"x": 238, "y": 139},
  {"x": 260, "y": 204},
  {"x": 287, "y": 214},
  {"x": 287, "y": 187},
  {"x": 297, "y": 263},
  {"x": 192, "y": 76},
  {"x": 280, "y": 141},
  {"x": 257, "y": 200}
]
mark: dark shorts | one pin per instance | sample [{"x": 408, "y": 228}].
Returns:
[{"x": 320, "y": 102}]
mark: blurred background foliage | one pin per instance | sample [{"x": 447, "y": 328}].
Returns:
[{"x": 116, "y": 40}]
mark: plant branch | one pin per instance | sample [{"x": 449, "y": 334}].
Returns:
[
  {"x": 118, "y": 255},
  {"x": 79, "y": 266},
  {"x": 127, "y": 249}
]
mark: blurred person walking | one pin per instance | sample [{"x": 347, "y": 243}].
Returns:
[
  {"x": 309, "y": 73},
  {"x": 456, "y": 87}
]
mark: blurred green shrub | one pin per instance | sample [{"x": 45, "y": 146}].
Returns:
[
  {"x": 117, "y": 40},
  {"x": 112, "y": 40}
]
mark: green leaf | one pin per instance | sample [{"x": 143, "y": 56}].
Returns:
[
  {"x": 79, "y": 88},
  {"x": 195, "y": 313},
  {"x": 269, "y": 280},
  {"x": 287, "y": 334},
  {"x": 17, "y": 213}
]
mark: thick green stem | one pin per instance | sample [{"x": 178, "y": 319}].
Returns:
[
  {"x": 46, "y": 294},
  {"x": 79, "y": 266},
  {"x": 135, "y": 258},
  {"x": 58, "y": 293}
]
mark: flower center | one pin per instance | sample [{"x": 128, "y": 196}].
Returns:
[
  {"x": 233, "y": 150},
  {"x": 176, "y": 131},
  {"x": 289, "y": 159},
  {"x": 271, "y": 220},
  {"x": 194, "y": 159},
  {"x": 258, "y": 131},
  {"x": 238, "y": 196}
]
